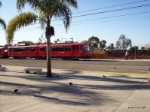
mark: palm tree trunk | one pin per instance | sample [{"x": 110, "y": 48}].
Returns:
[
  {"x": 49, "y": 73},
  {"x": 48, "y": 36}
]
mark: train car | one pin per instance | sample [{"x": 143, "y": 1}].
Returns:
[
  {"x": 23, "y": 51},
  {"x": 59, "y": 50},
  {"x": 70, "y": 50},
  {"x": 3, "y": 52}
]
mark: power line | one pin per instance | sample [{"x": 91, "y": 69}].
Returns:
[
  {"x": 112, "y": 6},
  {"x": 109, "y": 20},
  {"x": 98, "y": 19},
  {"x": 113, "y": 16},
  {"x": 119, "y": 20},
  {"x": 106, "y": 17},
  {"x": 128, "y": 8},
  {"x": 101, "y": 21}
]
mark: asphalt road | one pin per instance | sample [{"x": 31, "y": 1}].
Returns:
[{"x": 128, "y": 66}]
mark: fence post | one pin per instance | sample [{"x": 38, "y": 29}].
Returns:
[{"x": 149, "y": 76}]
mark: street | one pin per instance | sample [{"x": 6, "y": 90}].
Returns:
[{"x": 121, "y": 66}]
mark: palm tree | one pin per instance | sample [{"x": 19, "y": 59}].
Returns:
[
  {"x": 46, "y": 9},
  {"x": 2, "y": 22}
]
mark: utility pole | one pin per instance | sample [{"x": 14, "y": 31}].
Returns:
[{"x": 71, "y": 39}]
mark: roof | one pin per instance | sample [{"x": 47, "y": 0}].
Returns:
[
  {"x": 58, "y": 44},
  {"x": 22, "y": 46}
]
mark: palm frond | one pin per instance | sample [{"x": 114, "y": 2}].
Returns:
[
  {"x": 21, "y": 20},
  {"x": 21, "y": 3},
  {"x": 42, "y": 20},
  {"x": 64, "y": 11},
  {"x": 49, "y": 8},
  {"x": 2, "y": 22},
  {"x": 72, "y": 3},
  {"x": 61, "y": 10}
]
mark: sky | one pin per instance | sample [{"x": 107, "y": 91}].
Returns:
[{"x": 105, "y": 19}]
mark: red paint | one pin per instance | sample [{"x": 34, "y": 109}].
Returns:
[{"x": 62, "y": 50}]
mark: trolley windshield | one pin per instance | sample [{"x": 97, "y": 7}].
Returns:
[{"x": 86, "y": 48}]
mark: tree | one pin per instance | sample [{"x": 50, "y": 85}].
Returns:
[
  {"x": 46, "y": 10},
  {"x": 147, "y": 47},
  {"x": 142, "y": 48},
  {"x": 93, "y": 41},
  {"x": 123, "y": 43},
  {"x": 103, "y": 44},
  {"x": 148, "y": 50},
  {"x": 110, "y": 47},
  {"x": 2, "y": 22},
  {"x": 133, "y": 49}
]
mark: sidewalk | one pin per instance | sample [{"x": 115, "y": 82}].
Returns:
[
  {"x": 123, "y": 59},
  {"x": 90, "y": 92}
]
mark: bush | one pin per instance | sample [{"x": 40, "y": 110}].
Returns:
[{"x": 101, "y": 54}]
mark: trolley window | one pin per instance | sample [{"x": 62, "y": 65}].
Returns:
[
  {"x": 54, "y": 48},
  {"x": 22, "y": 49},
  {"x": 32, "y": 49},
  {"x": 42, "y": 49},
  {"x": 67, "y": 48},
  {"x": 86, "y": 48},
  {"x": 81, "y": 48},
  {"x": 16, "y": 50},
  {"x": 61, "y": 48}
]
